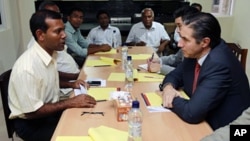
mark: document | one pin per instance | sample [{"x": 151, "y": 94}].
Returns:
[
  {"x": 143, "y": 66},
  {"x": 140, "y": 77},
  {"x": 82, "y": 90},
  {"x": 101, "y": 93},
  {"x": 153, "y": 102}
]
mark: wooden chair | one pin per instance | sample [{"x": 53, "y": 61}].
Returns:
[
  {"x": 4, "y": 84},
  {"x": 240, "y": 53}
]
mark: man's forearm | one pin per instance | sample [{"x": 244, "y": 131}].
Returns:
[{"x": 68, "y": 76}]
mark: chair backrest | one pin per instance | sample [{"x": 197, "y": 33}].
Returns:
[
  {"x": 240, "y": 53},
  {"x": 4, "y": 83}
]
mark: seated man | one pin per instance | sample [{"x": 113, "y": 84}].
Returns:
[
  {"x": 67, "y": 67},
  {"x": 105, "y": 33},
  {"x": 79, "y": 47},
  {"x": 148, "y": 33},
  {"x": 166, "y": 64},
  {"x": 34, "y": 83},
  {"x": 210, "y": 75}
]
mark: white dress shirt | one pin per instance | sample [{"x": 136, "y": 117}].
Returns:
[
  {"x": 152, "y": 37},
  {"x": 99, "y": 36},
  {"x": 34, "y": 81}
]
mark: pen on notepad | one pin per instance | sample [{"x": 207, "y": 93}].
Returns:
[
  {"x": 102, "y": 65},
  {"x": 152, "y": 57},
  {"x": 101, "y": 100},
  {"x": 153, "y": 77}
]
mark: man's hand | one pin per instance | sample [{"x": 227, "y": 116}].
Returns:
[
  {"x": 169, "y": 93},
  {"x": 105, "y": 47},
  {"x": 82, "y": 101},
  {"x": 141, "y": 43}
]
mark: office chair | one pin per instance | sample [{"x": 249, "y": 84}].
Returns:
[
  {"x": 240, "y": 53},
  {"x": 4, "y": 83}
]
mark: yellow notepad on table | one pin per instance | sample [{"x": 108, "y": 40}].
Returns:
[
  {"x": 103, "y": 61},
  {"x": 74, "y": 138},
  {"x": 140, "y": 77},
  {"x": 101, "y": 93},
  {"x": 121, "y": 76},
  {"x": 104, "y": 133},
  {"x": 140, "y": 56},
  {"x": 112, "y": 51}
]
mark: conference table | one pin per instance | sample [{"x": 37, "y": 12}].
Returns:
[{"x": 157, "y": 126}]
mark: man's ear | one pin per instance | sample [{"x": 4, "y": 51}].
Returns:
[
  {"x": 205, "y": 42},
  {"x": 39, "y": 35}
]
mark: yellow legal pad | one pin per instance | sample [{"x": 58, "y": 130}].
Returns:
[
  {"x": 101, "y": 93},
  {"x": 104, "y": 133},
  {"x": 153, "y": 99},
  {"x": 140, "y": 77},
  {"x": 140, "y": 56},
  {"x": 101, "y": 62},
  {"x": 112, "y": 51},
  {"x": 73, "y": 138}
]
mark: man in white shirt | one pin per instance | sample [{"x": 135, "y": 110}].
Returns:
[
  {"x": 34, "y": 83},
  {"x": 66, "y": 65},
  {"x": 148, "y": 33},
  {"x": 105, "y": 33}
]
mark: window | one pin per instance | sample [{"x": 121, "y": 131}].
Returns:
[
  {"x": 222, "y": 7},
  {"x": 2, "y": 19}
]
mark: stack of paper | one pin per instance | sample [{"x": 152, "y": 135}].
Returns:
[
  {"x": 112, "y": 51},
  {"x": 140, "y": 77}
]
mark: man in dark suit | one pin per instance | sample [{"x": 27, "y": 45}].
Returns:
[{"x": 222, "y": 89}]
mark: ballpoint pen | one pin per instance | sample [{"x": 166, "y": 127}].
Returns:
[
  {"x": 152, "y": 57},
  {"x": 102, "y": 65}
]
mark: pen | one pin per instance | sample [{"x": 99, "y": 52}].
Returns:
[
  {"x": 153, "y": 77},
  {"x": 152, "y": 57},
  {"x": 102, "y": 66},
  {"x": 101, "y": 100}
]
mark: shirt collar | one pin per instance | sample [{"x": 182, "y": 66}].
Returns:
[
  {"x": 109, "y": 27},
  {"x": 70, "y": 28},
  {"x": 141, "y": 25},
  {"x": 45, "y": 57},
  {"x": 202, "y": 59}
]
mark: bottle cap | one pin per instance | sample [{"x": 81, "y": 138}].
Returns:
[
  {"x": 129, "y": 58},
  {"x": 135, "y": 104}
]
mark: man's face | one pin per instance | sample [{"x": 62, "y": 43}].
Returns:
[
  {"x": 178, "y": 22},
  {"x": 54, "y": 37},
  {"x": 103, "y": 20},
  {"x": 147, "y": 18},
  {"x": 188, "y": 44},
  {"x": 76, "y": 19}
]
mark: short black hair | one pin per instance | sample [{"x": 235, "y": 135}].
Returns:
[
  {"x": 204, "y": 25},
  {"x": 185, "y": 10},
  {"x": 44, "y": 4},
  {"x": 102, "y": 12},
  {"x": 37, "y": 20},
  {"x": 197, "y": 5},
  {"x": 73, "y": 9}
]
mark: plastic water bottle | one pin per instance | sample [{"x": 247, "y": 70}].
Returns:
[
  {"x": 114, "y": 44},
  {"x": 129, "y": 73},
  {"x": 124, "y": 57},
  {"x": 135, "y": 122}
]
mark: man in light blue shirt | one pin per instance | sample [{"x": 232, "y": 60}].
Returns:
[
  {"x": 105, "y": 33},
  {"x": 78, "y": 46}
]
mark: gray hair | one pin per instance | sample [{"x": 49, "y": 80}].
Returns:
[{"x": 148, "y": 9}]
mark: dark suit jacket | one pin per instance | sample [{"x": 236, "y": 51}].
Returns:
[{"x": 222, "y": 91}]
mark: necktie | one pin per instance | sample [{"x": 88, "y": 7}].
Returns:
[{"x": 196, "y": 75}]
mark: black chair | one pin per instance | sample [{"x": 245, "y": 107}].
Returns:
[{"x": 4, "y": 83}]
